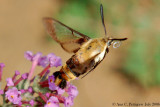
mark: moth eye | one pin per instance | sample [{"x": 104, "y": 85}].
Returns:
[{"x": 117, "y": 44}]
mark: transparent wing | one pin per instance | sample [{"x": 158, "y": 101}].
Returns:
[{"x": 68, "y": 38}]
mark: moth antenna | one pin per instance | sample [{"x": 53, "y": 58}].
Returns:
[{"x": 102, "y": 17}]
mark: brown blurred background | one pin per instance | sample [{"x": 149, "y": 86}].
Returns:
[{"x": 129, "y": 74}]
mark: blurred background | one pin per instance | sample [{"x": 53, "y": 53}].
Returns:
[{"x": 130, "y": 73}]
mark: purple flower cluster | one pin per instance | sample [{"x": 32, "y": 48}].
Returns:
[
  {"x": 43, "y": 61},
  {"x": 21, "y": 91}
]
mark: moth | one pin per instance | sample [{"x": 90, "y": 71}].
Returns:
[{"x": 88, "y": 53}]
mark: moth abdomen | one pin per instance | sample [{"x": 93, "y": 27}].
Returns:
[{"x": 59, "y": 79}]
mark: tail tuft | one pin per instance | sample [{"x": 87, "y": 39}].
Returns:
[{"x": 59, "y": 80}]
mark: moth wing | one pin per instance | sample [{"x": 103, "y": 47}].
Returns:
[{"x": 68, "y": 38}]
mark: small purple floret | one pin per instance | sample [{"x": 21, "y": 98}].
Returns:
[
  {"x": 68, "y": 101},
  {"x": 53, "y": 99},
  {"x": 1, "y": 92},
  {"x": 59, "y": 90},
  {"x": 17, "y": 72},
  {"x": 23, "y": 91},
  {"x": 31, "y": 102},
  {"x": 52, "y": 86},
  {"x": 28, "y": 55},
  {"x": 47, "y": 95},
  {"x": 2, "y": 65},
  {"x": 72, "y": 90},
  {"x": 51, "y": 83},
  {"x": 52, "y": 102},
  {"x": 55, "y": 61},
  {"x": 43, "y": 61},
  {"x": 15, "y": 75},
  {"x": 13, "y": 95},
  {"x": 30, "y": 89},
  {"x": 9, "y": 82},
  {"x": 20, "y": 103},
  {"x": 51, "y": 79},
  {"x": 25, "y": 75}
]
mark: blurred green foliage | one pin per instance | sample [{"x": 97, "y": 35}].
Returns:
[
  {"x": 143, "y": 59},
  {"x": 139, "y": 18},
  {"x": 79, "y": 14}
]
